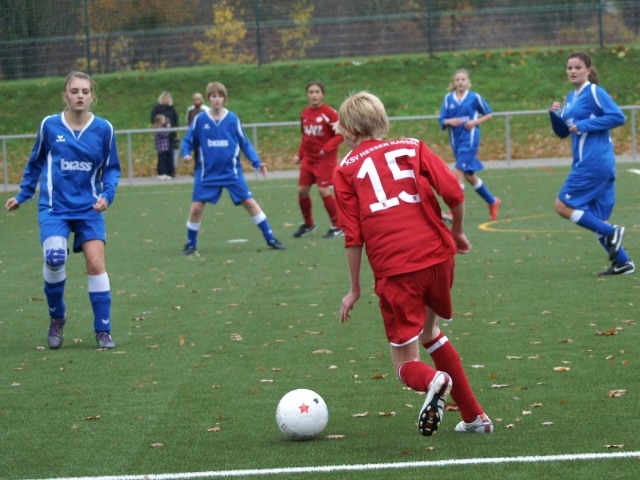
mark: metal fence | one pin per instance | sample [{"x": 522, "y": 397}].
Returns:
[
  {"x": 51, "y": 37},
  {"x": 256, "y": 131}
]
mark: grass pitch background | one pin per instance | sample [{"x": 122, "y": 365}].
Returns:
[{"x": 207, "y": 345}]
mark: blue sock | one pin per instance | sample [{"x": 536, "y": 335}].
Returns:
[
  {"x": 621, "y": 257},
  {"x": 589, "y": 221},
  {"x": 55, "y": 298},
  {"x": 484, "y": 192},
  {"x": 101, "y": 304},
  {"x": 192, "y": 233},
  {"x": 263, "y": 224}
]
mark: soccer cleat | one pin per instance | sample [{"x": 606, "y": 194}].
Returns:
[
  {"x": 493, "y": 209},
  {"x": 614, "y": 241},
  {"x": 275, "y": 244},
  {"x": 433, "y": 407},
  {"x": 334, "y": 232},
  {"x": 56, "y": 337},
  {"x": 482, "y": 424},
  {"x": 189, "y": 250},
  {"x": 304, "y": 229},
  {"x": 626, "y": 268},
  {"x": 104, "y": 340}
]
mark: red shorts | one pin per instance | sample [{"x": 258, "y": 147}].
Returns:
[
  {"x": 404, "y": 300},
  {"x": 320, "y": 172}
]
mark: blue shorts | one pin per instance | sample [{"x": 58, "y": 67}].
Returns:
[
  {"x": 238, "y": 191},
  {"x": 591, "y": 194},
  {"x": 83, "y": 230},
  {"x": 468, "y": 162}
]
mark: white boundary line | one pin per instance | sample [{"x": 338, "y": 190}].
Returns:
[{"x": 364, "y": 467}]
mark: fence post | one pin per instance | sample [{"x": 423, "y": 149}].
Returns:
[
  {"x": 130, "y": 158},
  {"x": 507, "y": 131},
  {"x": 5, "y": 170}
]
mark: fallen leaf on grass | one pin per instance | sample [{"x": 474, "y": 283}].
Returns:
[
  {"x": 378, "y": 376},
  {"x": 214, "y": 429},
  {"x": 92, "y": 417},
  {"x": 561, "y": 369},
  {"x": 500, "y": 385},
  {"x": 547, "y": 424},
  {"x": 360, "y": 415},
  {"x": 607, "y": 333},
  {"x": 157, "y": 445},
  {"x": 387, "y": 414},
  {"x": 334, "y": 437},
  {"x": 620, "y": 445},
  {"x": 616, "y": 393},
  {"x": 321, "y": 351}
]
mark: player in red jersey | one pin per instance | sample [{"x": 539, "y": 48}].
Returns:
[
  {"x": 386, "y": 196},
  {"x": 317, "y": 156}
]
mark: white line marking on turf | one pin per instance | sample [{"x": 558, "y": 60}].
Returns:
[
  {"x": 363, "y": 467},
  {"x": 633, "y": 170}
]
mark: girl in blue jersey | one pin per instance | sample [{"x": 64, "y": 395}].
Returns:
[
  {"x": 218, "y": 137},
  {"x": 587, "y": 197},
  {"x": 76, "y": 161},
  {"x": 463, "y": 111}
]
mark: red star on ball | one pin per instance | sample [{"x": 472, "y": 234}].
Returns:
[{"x": 304, "y": 408}]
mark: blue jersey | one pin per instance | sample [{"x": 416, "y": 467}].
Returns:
[
  {"x": 219, "y": 143},
  {"x": 595, "y": 113},
  {"x": 464, "y": 143},
  {"x": 74, "y": 168}
]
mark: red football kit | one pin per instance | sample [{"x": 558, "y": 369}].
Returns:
[
  {"x": 318, "y": 136},
  {"x": 386, "y": 202}
]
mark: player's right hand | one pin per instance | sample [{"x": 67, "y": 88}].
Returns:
[
  {"x": 12, "y": 204},
  {"x": 187, "y": 158}
]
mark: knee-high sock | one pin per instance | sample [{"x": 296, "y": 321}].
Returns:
[
  {"x": 100, "y": 297},
  {"x": 330, "y": 207},
  {"x": 589, "y": 221},
  {"x": 621, "y": 256},
  {"x": 55, "y": 298},
  {"x": 482, "y": 190},
  {"x": 192, "y": 233},
  {"x": 263, "y": 224},
  {"x": 416, "y": 375},
  {"x": 446, "y": 359},
  {"x": 306, "y": 209}
]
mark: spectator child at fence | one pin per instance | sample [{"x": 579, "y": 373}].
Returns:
[
  {"x": 166, "y": 108},
  {"x": 162, "y": 142},
  {"x": 462, "y": 112}
]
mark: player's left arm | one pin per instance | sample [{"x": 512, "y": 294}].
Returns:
[
  {"x": 609, "y": 115},
  {"x": 110, "y": 174}
]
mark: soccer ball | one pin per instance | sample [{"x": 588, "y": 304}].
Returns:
[{"x": 302, "y": 414}]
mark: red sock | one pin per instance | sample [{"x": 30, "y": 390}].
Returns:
[
  {"x": 446, "y": 359},
  {"x": 330, "y": 206},
  {"x": 305, "y": 208},
  {"x": 416, "y": 375}
]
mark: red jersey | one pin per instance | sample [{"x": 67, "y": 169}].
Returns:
[
  {"x": 385, "y": 192},
  {"x": 318, "y": 134}
]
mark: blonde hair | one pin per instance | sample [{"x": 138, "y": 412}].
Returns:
[
  {"x": 167, "y": 95},
  {"x": 217, "y": 87},
  {"x": 81, "y": 76},
  {"x": 362, "y": 115},
  {"x": 451, "y": 86}
]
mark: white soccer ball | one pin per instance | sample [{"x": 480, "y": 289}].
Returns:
[{"x": 302, "y": 414}]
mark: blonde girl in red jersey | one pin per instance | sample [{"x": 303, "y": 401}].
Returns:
[{"x": 386, "y": 196}]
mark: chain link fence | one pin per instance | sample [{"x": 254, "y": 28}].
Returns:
[{"x": 41, "y": 38}]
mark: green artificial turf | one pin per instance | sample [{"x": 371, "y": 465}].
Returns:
[{"x": 208, "y": 345}]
